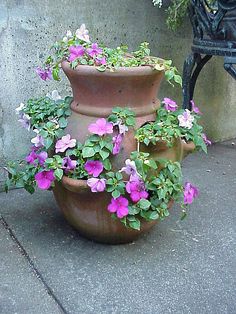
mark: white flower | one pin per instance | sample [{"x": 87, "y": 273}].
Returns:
[
  {"x": 122, "y": 127},
  {"x": 20, "y": 108},
  {"x": 69, "y": 34},
  {"x": 25, "y": 121},
  {"x": 54, "y": 95},
  {"x": 186, "y": 119},
  {"x": 82, "y": 33},
  {"x": 38, "y": 139}
]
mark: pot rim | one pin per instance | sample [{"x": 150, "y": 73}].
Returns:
[{"x": 119, "y": 71}]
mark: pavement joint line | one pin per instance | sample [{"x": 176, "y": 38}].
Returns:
[{"x": 31, "y": 264}]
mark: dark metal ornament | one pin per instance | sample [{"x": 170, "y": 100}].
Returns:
[{"x": 214, "y": 31}]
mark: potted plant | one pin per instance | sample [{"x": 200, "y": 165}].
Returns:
[{"x": 111, "y": 154}]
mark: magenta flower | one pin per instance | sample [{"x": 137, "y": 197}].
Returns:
[
  {"x": 117, "y": 140},
  {"x": 206, "y": 140},
  {"x": 76, "y": 52},
  {"x": 136, "y": 189},
  {"x": 44, "y": 74},
  {"x": 195, "y": 108},
  {"x": 44, "y": 179},
  {"x": 93, "y": 167},
  {"x": 101, "y": 127},
  {"x": 94, "y": 50},
  {"x": 170, "y": 104},
  {"x": 31, "y": 158},
  {"x": 96, "y": 185},
  {"x": 186, "y": 119},
  {"x": 68, "y": 164},
  {"x": 119, "y": 206},
  {"x": 100, "y": 61},
  {"x": 190, "y": 192},
  {"x": 64, "y": 143},
  {"x": 42, "y": 157},
  {"x": 130, "y": 169}
]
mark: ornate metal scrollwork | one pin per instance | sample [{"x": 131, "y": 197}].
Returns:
[{"x": 214, "y": 30}]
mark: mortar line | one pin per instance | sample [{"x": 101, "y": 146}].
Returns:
[{"x": 31, "y": 264}]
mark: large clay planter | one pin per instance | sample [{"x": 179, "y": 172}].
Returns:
[{"x": 94, "y": 95}]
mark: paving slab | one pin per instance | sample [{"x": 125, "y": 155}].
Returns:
[
  {"x": 20, "y": 289},
  {"x": 179, "y": 267}
]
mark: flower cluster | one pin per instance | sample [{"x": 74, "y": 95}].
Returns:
[
  {"x": 77, "y": 49},
  {"x": 142, "y": 188}
]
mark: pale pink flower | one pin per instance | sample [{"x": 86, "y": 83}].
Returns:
[
  {"x": 186, "y": 119},
  {"x": 82, "y": 33},
  {"x": 64, "y": 143},
  {"x": 170, "y": 104},
  {"x": 96, "y": 185},
  {"x": 190, "y": 192},
  {"x": 130, "y": 169},
  {"x": 119, "y": 206},
  {"x": 38, "y": 140},
  {"x": 25, "y": 121},
  {"x": 93, "y": 167},
  {"x": 101, "y": 127}
]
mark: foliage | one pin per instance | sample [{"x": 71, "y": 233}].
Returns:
[{"x": 148, "y": 185}]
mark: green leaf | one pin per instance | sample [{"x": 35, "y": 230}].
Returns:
[
  {"x": 104, "y": 154},
  {"x": 130, "y": 121},
  {"x": 107, "y": 164},
  {"x": 135, "y": 224},
  {"x": 55, "y": 74},
  {"x": 62, "y": 122},
  {"x": 115, "y": 194},
  {"x": 58, "y": 174},
  {"x": 88, "y": 152},
  {"x": 144, "y": 204},
  {"x": 48, "y": 142}
]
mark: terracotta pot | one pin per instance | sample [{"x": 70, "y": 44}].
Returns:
[
  {"x": 94, "y": 95},
  {"x": 87, "y": 212}
]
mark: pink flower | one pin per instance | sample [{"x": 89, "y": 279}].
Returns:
[
  {"x": 170, "y": 104},
  {"x": 117, "y": 140},
  {"x": 186, "y": 119},
  {"x": 31, "y": 158},
  {"x": 190, "y": 192},
  {"x": 136, "y": 189},
  {"x": 44, "y": 74},
  {"x": 100, "y": 61},
  {"x": 96, "y": 185},
  {"x": 42, "y": 157},
  {"x": 64, "y": 143},
  {"x": 130, "y": 169},
  {"x": 119, "y": 206},
  {"x": 206, "y": 140},
  {"x": 68, "y": 164},
  {"x": 101, "y": 127},
  {"x": 93, "y": 167},
  {"x": 82, "y": 33},
  {"x": 44, "y": 179},
  {"x": 94, "y": 50},
  {"x": 76, "y": 52},
  {"x": 195, "y": 108}
]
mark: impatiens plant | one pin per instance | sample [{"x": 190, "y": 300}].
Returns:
[
  {"x": 78, "y": 49},
  {"x": 142, "y": 189}
]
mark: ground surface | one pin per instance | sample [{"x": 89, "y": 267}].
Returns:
[{"x": 179, "y": 267}]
